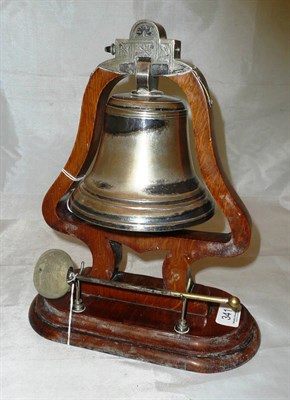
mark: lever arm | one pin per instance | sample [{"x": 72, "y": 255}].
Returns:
[{"x": 232, "y": 301}]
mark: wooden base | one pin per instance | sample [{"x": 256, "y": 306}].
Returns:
[{"x": 143, "y": 332}]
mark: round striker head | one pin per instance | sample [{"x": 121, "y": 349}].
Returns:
[{"x": 50, "y": 274}]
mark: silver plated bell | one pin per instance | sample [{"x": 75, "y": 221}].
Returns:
[{"x": 142, "y": 178}]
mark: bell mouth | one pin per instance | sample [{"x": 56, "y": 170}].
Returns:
[{"x": 163, "y": 214}]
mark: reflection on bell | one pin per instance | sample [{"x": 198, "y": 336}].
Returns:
[{"x": 142, "y": 177}]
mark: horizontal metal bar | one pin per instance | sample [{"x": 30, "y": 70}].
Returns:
[{"x": 232, "y": 301}]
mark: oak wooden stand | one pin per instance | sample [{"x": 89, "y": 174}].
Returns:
[{"x": 131, "y": 324}]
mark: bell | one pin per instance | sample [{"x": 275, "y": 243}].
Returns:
[{"x": 142, "y": 178}]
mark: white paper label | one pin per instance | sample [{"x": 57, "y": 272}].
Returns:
[{"x": 228, "y": 317}]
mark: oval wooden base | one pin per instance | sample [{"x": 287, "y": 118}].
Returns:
[{"x": 145, "y": 333}]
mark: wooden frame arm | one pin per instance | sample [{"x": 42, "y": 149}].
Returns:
[{"x": 183, "y": 248}]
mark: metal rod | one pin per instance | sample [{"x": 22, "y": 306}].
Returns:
[
  {"x": 232, "y": 301},
  {"x": 78, "y": 305},
  {"x": 181, "y": 326}
]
